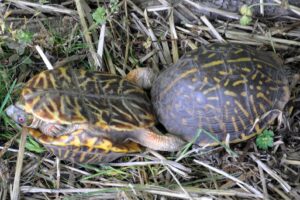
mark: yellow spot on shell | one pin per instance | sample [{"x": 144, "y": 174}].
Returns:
[
  {"x": 238, "y": 51},
  {"x": 60, "y": 141},
  {"x": 183, "y": 75},
  {"x": 66, "y": 154},
  {"x": 55, "y": 113},
  {"x": 90, "y": 142},
  {"x": 76, "y": 141},
  {"x": 246, "y": 69},
  {"x": 262, "y": 95},
  {"x": 262, "y": 107},
  {"x": 212, "y": 98},
  {"x": 205, "y": 92},
  {"x": 102, "y": 124},
  {"x": 223, "y": 73},
  {"x": 63, "y": 72},
  {"x": 234, "y": 124},
  {"x": 104, "y": 144},
  {"x": 243, "y": 136},
  {"x": 266, "y": 63},
  {"x": 273, "y": 88},
  {"x": 254, "y": 75},
  {"x": 230, "y": 93},
  {"x": 244, "y": 59},
  {"x": 52, "y": 80},
  {"x": 257, "y": 129},
  {"x": 29, "y": 105},
  {"x": 226, "y": 82},
  {"x": 82, "y": 156},
  {"x": 242, "y": 122},
  {"x": 59, "y": 153},
  {"x": 236, "y": 83},
  {"x": 78, "y": 117},
  {"x": 211, "y": 55},
  {"x": 213, "y": 64},
  {"x": 40, "y": 77},
  {"x": 253, "y": 106},
  {"x": 241, "y": 108},
  {"x": 208, "y": 107},
  {"x": 217, "y": 79}
]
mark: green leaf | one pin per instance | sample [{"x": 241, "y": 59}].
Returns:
[
  {"x": 113, "y": 4},
  {"x": 99, "y": 15},
  {"x": 245, "y": 20},
  {"x": 24, "y": 37},
  {"x": 34, "y": 146},
  {"x": 246, "y": 10},
  {"x": 265, "y": 140}
]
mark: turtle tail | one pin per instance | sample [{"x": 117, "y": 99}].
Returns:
[{"x": 156, "y": 141}]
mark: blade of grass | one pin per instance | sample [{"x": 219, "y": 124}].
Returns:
[{"x": 7, "y": 96}]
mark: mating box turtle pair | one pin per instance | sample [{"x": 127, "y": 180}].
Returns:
[{"x": 224, "y": 89}]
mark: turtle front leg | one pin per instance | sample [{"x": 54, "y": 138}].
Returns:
[{"x": 54, "y": 129}]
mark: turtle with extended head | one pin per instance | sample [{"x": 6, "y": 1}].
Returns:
[{"x": 88, "y": 116}]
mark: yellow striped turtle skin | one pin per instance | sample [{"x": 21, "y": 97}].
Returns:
[{"x": 220, "y": 90}]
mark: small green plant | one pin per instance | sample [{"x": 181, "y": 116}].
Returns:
[
  {"x": 101, "y": 14},
  {"x": 246, "y": 12},
  {"x": 24, "y": 37},
  {"x": 265, "y": 140},
  {"x": 114, "y": 6},
  {"x": 33, "y": 146}
]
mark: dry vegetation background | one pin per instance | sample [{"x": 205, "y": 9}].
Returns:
[{"x": 145, "y": 34}]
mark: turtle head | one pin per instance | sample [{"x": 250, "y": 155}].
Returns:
[{"x": 19, "y": 115}]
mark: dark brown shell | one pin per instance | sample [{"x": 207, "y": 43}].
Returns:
[{"x": 221, "y": 89}]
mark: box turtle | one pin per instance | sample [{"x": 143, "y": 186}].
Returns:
[
  {"x": 88, "y": 116},
  {"x": 221, "y": 91}
]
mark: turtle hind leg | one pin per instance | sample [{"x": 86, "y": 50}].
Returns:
[{"x": 156, "y": 141}]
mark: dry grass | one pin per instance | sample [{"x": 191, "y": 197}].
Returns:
[{"x": 134, "y": 36}]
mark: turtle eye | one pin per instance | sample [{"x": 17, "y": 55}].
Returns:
[{"x": 21, "y": 119}]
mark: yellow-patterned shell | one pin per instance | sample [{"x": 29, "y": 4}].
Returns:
[
  {"x": 83, "y": 147},
  {"x": 76, "y": 96},
  {"x": 223, "y": 90}
]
